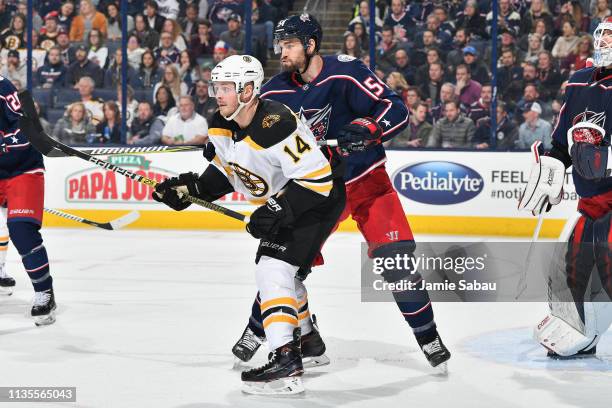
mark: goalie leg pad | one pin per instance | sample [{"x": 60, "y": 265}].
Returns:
[{"x": 560, "y": 337}]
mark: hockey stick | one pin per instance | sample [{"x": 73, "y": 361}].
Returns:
[
  {"x": 111, "y": 225},
  {"x": 106, "y": 151},
  {"x": 330, "y": 143},
  {"x": 522, "y": 284},
  {"x": 30, "y": 125}
]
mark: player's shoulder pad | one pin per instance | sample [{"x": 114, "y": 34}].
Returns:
[
  {"x": 6, "y": 86},
  {"x": 582, "y": 76},
  {"x": 279, "y": 80},
  {"x": 273, "y": 122},
  {"x": 219, "y": 126}
]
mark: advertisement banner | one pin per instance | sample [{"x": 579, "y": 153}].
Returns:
[{"x": 442, "y": 192}]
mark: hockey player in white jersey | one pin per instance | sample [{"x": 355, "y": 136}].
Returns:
[{"x": 261, "y": 149}]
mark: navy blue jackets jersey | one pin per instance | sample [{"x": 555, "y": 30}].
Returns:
[
  {"x": 20, "y": 157},
  {"x": 585, "y": 96},
  {"x": 344, "y": 90}
]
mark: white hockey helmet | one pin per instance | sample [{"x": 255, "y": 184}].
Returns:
[
  {"x": 241, "y": 70},
  {"x": 602, "y": 56}
]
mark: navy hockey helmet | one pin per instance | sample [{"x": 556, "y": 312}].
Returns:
[{"x": 303, "y": 27}]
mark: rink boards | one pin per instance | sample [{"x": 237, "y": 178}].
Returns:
[{"x": 442, "y": 192}]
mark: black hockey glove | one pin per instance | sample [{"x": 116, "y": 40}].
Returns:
[
  {"x": 358, "y": 135},
  {"x": 270, "y": 217},
  {"x": 591, "y": 161},
  {"x": 165, "y": 192}
]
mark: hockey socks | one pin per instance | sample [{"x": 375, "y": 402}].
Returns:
[{"x": 414, "y": 303}]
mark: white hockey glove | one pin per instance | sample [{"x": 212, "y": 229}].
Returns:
[{"x": 545, "y": 186}]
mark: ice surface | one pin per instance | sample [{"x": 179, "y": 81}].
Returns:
[{"x": 148, "y": 318}]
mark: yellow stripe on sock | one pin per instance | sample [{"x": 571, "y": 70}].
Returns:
[
  {"x": 280, "y": 318},
  {"x": 279, "y": 301}
]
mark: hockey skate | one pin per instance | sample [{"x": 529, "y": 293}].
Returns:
[
  {"x": 313, "y": 347},
  {"x": 43, "y": 308},
  {"x": 281, "y": 375},
  {"x": 7, "y": 284},
  {"x": 247, "y": 345},
  {"x": 581, "y": 354},
  {"x": 437, "y": 354}
]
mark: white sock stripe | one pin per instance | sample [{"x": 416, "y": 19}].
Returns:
[
  {"x": 34, "y": 250},
  {"x": 42, "y": 279}
]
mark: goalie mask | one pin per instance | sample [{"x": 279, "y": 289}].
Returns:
[{"x": 602, "y": 43}]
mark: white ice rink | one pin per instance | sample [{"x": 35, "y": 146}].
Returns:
[{"x": 148, "y": 318}]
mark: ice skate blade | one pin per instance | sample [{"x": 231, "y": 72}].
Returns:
[
  {"x": 441, "y": 369},
  {"x": 240, "y": 365},
  {"x": 318, "y": 361},
  {"x": 6, "y": 291},
  {"x": 44, "y": 320},
  {"x": 282, "y": 386}
]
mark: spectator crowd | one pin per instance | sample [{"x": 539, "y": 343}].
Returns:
[
  {"x": 172, "y": 46},
  {"x": 437, "y": 55}
]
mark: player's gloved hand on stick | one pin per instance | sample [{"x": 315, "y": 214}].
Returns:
[
  {"x": 545, "y": 186},
  {"x": 270, "y": 217},
  {"x": 357, "y": 135},
  {"x": 171, "y": 190}
]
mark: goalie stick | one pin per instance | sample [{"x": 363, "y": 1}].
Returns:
[
  {"x": 111, "y": 225},
  {"x": 522, "y": 284},
  {"x": 107, "y": 151},
  {"x": 30, "y": 125}
]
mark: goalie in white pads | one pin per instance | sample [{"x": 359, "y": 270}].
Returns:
[
  {"x": 261, "y": 149},
  {"x": 581, "y": 139}
]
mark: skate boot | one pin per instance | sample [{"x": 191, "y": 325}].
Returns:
[
  {"x": 435, "y": 352},
  {"x": 43, "y": 308},
  {"x": 7, "y": 284},
  {"x": 580, "y": 354},
  {"x": 313, "y": 347},
  {"x": 247, "y": 345},
  {"x": 281, "y": 375}
]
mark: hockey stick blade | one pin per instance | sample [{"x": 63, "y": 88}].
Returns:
[
  {"x": 109, "y": 151},
  {"x": 30, "y": 125},
  {"x": 112, "y": 225},
  {"x": 127, "y": 219}
]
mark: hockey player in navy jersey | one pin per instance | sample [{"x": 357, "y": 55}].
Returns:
[
  {"x": 581, "y": 139},
  {"x": 22, "y": 195},
  {"x": 340, "y": 98}
]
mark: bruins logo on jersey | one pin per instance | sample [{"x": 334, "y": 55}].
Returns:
[
  {"x": 256, "y": 185},
  {"x": 270, "y": 120},
  {"x": 12, "y": 42}
]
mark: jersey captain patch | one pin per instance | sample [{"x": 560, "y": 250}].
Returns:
[{"x": 256, "y": 185}]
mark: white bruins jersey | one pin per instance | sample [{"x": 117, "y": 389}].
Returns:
[{"x": 274, "y": 149}]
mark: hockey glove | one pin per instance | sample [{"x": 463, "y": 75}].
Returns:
[
  {"x": 591, "y": 161},
  {"x": 545, "y": 186},
  {"x": 270, "y": 217},
  {"x": 172, "y": 199},
  {"x": 171, "y": 190},
  {"x": 358, "y": 135}
]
